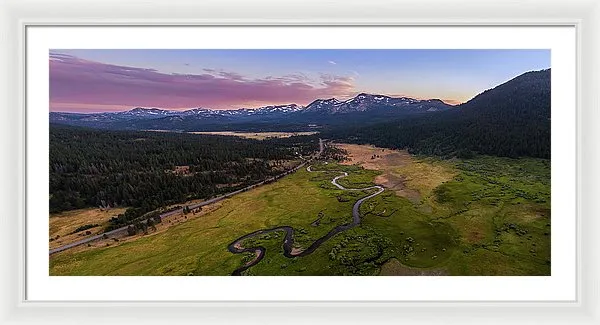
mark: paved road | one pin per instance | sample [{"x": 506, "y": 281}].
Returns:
[
  {"x": 288, "y": 242},
  {"x": 191, "y": 206}
]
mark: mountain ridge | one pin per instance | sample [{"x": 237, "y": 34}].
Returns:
[
  {"x": 284, "y": 107},
  {"x": 318, "y": 111}
]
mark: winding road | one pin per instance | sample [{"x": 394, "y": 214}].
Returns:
[{"x": 288, "y": 241}]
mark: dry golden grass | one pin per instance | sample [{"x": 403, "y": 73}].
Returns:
[
  {"x": 384, "y": 160},
  {"x": 426, "y": 175},
  {"x": 474, "y": 224},
  {"x": 406, "y": 175},
  {"x": 64, "y": 223},
  {"x": 257, "y": 135}
]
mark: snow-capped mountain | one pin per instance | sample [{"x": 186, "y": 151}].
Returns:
[
  {"x": 147, "y": 112},
  {"x": 290, "y": 108},
  {"x": 366, "y": 102},
  {"x": 242, "y": 111},
  {"x": 140, "y": 112},
  {"x": 363, "y": 107}
]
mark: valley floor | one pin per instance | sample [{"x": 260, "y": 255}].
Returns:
[
  {"x": 483, "y": 216},
  {"x": 257, "y": 135}
]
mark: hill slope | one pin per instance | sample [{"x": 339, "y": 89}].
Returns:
[{"x": 512, "y": 119}]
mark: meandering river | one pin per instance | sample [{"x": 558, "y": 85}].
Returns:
[{"x": 288, "y": 241}]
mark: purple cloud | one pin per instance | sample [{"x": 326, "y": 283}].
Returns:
[{"x": 77, "y": 84}]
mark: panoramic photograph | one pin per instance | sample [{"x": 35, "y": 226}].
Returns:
[{"x": 299, "y": 162}]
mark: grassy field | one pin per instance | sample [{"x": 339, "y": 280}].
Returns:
[
  {"x": 492, "y": 218},
  {"x": 484, "y": 216}
]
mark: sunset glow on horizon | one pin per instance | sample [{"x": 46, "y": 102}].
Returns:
[{"x": 89, "y": 81}]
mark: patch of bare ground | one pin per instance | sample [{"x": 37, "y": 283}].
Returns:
[
  {"x": 393, "y": 267},
  {"x": 296, "y": 250},
  {"x": 228, "y": 185},
  {"x": 281, "y": 166},
  {"x": 167, "y": 222},
  {"x": 475, "y": 236},
  {"x": 534, "y": 213},
  {"x": 398, "y": 185},
  {"x": 402, "y": 173}
]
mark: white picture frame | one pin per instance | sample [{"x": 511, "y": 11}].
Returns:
[{"x": 16, "y": 16}]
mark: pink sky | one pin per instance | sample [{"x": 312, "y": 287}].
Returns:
[{"x": 81, "y": 85}]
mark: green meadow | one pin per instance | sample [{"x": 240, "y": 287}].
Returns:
[{"x": 491, "y": 218}]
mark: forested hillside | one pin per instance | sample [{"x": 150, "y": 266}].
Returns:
[
  {"x": 147, "y": 170},
  {"x": 512, "y": 120}
]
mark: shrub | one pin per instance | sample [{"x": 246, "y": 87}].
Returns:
[
  {"x": 84, "y": 227},
  {"x": 131, "y": 230}
]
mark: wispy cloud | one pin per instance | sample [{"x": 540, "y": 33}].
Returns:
[
  {"x": 332, "y": 62},
  {"x": 75, "y": 82}
]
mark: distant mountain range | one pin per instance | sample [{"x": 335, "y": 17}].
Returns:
[
  {"x": 368, "y": 102},
  {"x": 155, "y": 113},
  {"x": 364, "y": 107}
]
